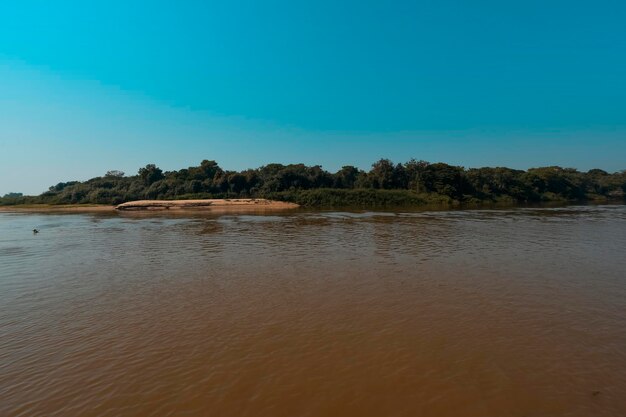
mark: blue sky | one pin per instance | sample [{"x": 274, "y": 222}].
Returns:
[{"x": 90, "y": 86}]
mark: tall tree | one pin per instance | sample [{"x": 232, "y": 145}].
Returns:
[{"x": 150, "y": 174}]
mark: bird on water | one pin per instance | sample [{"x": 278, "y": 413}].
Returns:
[{"x": 35, "y": 231}]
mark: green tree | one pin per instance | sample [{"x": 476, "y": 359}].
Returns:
[
  {"x": 346, "y": 177},
  {"x": 150, "y": 174},
  {"x": 382, "y": 174}
]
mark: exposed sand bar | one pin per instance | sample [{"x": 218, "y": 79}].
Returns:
[
  {"x": 241, "y": 203},
  {"x": 213, "y": 205}
]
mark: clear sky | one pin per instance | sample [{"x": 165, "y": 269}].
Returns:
[{"x": 88, "y": 86}]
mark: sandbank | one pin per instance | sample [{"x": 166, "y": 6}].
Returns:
[
  {"x": 141, "y": 205},
  {"x": 239, "y": 203}
]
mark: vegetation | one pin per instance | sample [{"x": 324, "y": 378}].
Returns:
[{"x": 386, "y": 184}]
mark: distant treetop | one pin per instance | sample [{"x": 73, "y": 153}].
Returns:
[{"x": 114, "y": 173}]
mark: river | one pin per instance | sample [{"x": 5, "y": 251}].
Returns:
[{"x": 512, "y": 312}]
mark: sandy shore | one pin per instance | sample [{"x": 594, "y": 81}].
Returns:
[
  {"x": 242, "y": 203},
  {"x": 61, "y": 208},
  {"x": 141, "y": 205}
]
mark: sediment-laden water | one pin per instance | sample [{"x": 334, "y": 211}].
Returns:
[{"x": 517, "y": 312}]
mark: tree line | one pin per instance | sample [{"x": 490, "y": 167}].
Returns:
[{"x": 386, "y": 183}]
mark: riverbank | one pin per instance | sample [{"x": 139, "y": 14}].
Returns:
[
  {"x": 215, "y": 203},
  {"x": 205, "y": 204},
  {"x": 40, "y": 208},
  {"x": 262, "y": 205}
]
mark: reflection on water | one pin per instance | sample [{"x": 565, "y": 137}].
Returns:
[{"x": 462, "y": 313}]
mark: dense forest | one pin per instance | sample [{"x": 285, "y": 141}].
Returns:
[{"x": 385, "y": 184}]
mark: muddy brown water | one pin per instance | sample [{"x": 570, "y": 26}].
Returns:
[{"x": 517, "y": 312}]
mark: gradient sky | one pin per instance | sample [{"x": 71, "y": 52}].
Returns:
[{"x": 88, "y": 86}]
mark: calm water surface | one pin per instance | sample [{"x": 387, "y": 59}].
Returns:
[{"x": 466, "y": 313}]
